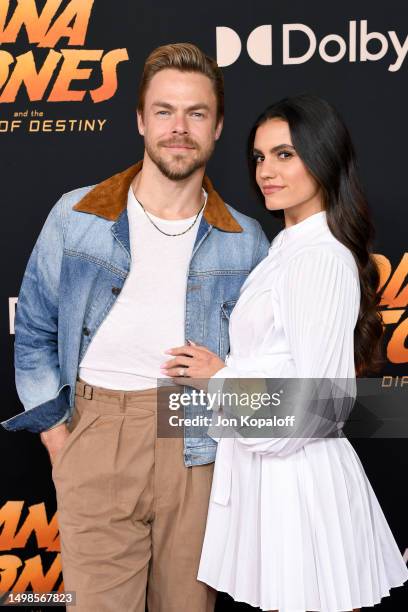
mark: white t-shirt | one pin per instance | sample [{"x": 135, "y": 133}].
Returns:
[{"x": 148, "y": 315}]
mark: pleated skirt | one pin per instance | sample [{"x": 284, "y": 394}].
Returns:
[{"x": 301, "y": 533}]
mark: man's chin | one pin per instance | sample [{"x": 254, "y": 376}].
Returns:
[{"x": 178, "y": 171}]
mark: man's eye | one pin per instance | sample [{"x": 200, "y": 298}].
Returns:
[
  {"x": 162, "y": 112},
  {"x": 197, "y": 114}
]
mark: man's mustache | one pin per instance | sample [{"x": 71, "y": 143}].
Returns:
[{"x": 185, "y": 142}]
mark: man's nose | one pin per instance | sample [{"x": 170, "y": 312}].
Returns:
[{"x": 180, "y": 125}]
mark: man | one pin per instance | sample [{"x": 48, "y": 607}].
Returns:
[{"x": 122, "y": 271}]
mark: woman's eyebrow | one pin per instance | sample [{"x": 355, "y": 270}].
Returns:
[{"x": 280, "y": 146}]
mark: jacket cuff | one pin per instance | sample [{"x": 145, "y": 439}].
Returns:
[
  {"x": 63, "y": 420},
  {"x": 44, "y": 416}
]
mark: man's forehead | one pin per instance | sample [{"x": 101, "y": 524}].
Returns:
[{"x": 176, "y": 83}]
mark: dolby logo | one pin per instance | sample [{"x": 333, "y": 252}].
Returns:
[{"x": 360, "y": 45}]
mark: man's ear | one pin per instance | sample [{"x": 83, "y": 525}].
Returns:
[
  {"x": 140, "y": 124},
  {"x": 219, "y": 127}
]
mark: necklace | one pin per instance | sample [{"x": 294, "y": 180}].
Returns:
[{"x": 172, "y": 235}]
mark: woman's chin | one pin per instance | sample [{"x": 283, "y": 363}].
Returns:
[{"x": 273, "y": 206}]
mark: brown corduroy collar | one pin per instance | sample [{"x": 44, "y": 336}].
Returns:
[{"x": 109, "y": 198}]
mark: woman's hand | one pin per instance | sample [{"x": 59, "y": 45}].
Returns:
[{"x": 192, "y": 361}]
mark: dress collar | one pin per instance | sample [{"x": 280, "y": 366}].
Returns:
[
  {"x": 305, "y": 228},
  {"x": 316, "y": 220}
]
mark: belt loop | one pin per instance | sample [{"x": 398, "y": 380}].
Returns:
[
  {"x": 122, "y": 401},
  {"x": 88, "y": 392}
]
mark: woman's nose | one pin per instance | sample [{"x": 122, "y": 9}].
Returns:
[{"x": 268, "y": 169}]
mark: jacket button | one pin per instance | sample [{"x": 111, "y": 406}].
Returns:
[
  {"x": 116, "y": 290},
  {"x": 86, "y": 331}
]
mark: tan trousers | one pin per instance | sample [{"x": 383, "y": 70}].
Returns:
[{"x": 131, "y": 515}]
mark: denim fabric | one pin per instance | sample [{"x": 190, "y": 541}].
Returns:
[{"x": 75, "y": 272}]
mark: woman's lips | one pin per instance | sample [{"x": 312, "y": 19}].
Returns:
[{"x": 272, "y": 189}]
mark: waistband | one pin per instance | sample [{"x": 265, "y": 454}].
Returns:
[{"x": 116, "y": 397}]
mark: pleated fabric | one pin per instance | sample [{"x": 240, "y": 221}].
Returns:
[{"x": 294, "y": 524}]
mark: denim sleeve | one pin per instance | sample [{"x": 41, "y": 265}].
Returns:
[
  {"x": 60, "y": 422},
  {"x": 36, "y": 324},
  {"x": 262, "y": 245}
]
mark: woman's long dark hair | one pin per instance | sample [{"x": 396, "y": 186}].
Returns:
[{"x": 323, "y": 143}]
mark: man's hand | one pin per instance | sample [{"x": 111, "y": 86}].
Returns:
[{"x": 54, "y": 439}]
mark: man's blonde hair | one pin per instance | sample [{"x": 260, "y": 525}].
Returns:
[{"x": 186, "y": 58}]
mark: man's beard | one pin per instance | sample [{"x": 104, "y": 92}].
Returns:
[{"x": 179, "y": 168}]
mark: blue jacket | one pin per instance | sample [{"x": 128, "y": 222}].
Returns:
[{"x": 75, "y": 273}]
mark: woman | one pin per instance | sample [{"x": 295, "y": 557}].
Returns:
[{"x": 293, "y": 524}]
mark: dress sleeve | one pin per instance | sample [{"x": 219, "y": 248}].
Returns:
[{"x": 319, "y": 296}]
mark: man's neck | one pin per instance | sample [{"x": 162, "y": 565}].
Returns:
[{"x": 165, "y": 198}]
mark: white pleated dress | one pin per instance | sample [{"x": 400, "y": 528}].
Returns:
[{"x": 294, "y": 525}]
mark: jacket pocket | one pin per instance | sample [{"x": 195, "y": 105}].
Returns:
[{"x": 225, "y": 313}]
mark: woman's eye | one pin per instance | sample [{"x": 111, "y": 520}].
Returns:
[
  {"x": 284, "y": 154},
  {"x": 257, "y": 158}
]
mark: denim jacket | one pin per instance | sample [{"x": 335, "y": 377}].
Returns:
[{"x": 75, "y": 273}]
